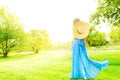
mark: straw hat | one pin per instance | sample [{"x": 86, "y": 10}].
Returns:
[{"x": 80, "y": 29}]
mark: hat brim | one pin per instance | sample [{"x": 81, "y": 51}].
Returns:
[{"x": 85, "y": 30}]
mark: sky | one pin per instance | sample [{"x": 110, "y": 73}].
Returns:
[{"x": 55, "y": 16}]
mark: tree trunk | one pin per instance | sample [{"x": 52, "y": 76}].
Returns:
[
  {"x": 36, "y": 50},
  {"x": 5, "y": 54},
  {"x": 5, "y": 51}
]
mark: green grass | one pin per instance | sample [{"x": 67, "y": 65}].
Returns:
[{"x": 54, "y": 65}]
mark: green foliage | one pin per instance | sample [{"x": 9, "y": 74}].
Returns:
[
  {"x": 96, "y": 38},
  {"x": 107, "y": 11},
  {"x": 11, "y": 31},
  {"x": 39, "y": 40},
  {"x": 115, "y": 34}
]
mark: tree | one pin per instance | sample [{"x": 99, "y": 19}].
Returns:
[
  {"x": 39, "y": 40},
  {"x": 11, "y": 31},
  {"x": 107, "y": 11},
  {"x": 96, "y": 38},
  {"x": 115, "y": 34}
]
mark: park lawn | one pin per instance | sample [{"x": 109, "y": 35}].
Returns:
[{"x": 54, "y": 65}]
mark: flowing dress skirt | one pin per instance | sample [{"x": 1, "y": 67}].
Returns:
[{"x": 82, "y": 65}]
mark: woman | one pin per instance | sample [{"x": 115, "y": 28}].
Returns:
[{"x": 82, "y": 66}]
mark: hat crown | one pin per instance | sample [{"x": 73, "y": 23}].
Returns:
[{"x": 80, "y": 30}]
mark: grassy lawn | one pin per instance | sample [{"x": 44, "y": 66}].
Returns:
[{"x": 54, "y": 65}]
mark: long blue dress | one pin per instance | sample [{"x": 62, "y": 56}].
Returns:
[{"x": 82, "y": 65}]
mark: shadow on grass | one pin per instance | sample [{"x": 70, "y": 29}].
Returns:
[
  {"x": 115, "y": 64},
  {"x": 80, "y": 79},
  {"x": 16, "y": 56}
]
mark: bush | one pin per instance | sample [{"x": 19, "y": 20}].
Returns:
[
  {"x": 97, "y": 39},
  {"x": 115, "y": 34}
]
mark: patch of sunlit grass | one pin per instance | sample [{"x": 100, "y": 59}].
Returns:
[{"x": 54, "y": 65}]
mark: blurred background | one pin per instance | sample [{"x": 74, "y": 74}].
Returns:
[{"x": 41, "y": 26}]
